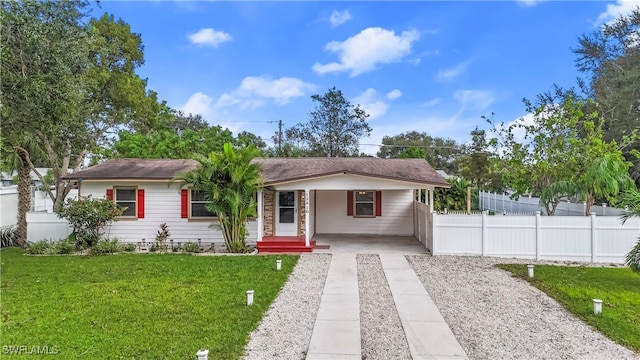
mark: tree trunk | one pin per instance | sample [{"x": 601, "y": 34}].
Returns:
[
  {"x": 24, "y": 200},
  {"x": 590, "y": 201}
]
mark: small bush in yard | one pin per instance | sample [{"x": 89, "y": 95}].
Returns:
[
  {"x": 8, "y": 237},
  {"x": 40, "y": 247},
  {"x": 89, "y": 217},
  {"x": 191, "y": 247},
  {"x": 64, "y": 247},
  {"x": 105, "y": 247},
  {"x": 161, "y": 238},
  {"x": 128, "y": 247}
]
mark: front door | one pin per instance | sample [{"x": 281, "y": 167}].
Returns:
[{"x": 286, "y": 213}]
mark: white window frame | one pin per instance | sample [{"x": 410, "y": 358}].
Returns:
[
  {"x": 356, "y": 202},
  {"x": 191, "y": 202},
  {"x": 135, "y": 200}
]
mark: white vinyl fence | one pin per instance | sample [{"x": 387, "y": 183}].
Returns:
[
  {"x": 46, "y": 226},
  {"x": 40, "y": 203},
  {"x": 501, "y": 203},
  {"x": 559, "y": 238}
]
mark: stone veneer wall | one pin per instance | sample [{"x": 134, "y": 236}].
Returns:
[
  {"x": 301, "y": 214},
  {"x": 268, "y": 211}
]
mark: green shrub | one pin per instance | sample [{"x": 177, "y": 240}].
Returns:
[
  {"x": 41, "y": 247},
  {"x": 176, "y": 248},
  {"x": 64, "y": 247},
  {"x": 8, "y": 237},
  {"x": 89, "y": 217},
  {"x": 128, "y": 247},
  {"x": 161, "y": 238},
  {"x": 105, "y": 247},
  {"x": 191, "y": 247}
]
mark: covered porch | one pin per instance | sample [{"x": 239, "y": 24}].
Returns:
[{"x": 305, "y": 220}]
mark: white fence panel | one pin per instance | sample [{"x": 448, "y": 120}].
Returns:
[
  {"x": 500, "y": 203},
  {"x": 566, "y": 238},
  {"x": 502, "y": 230},
  {"x": 457, "y": 235},
  {"x": 613, "y": 239},
  {"x": 46, "y": 226},
  {"x": 8, "y": 206},
  {"x": 559, "y": 238}
]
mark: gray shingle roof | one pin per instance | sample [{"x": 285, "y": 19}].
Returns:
[
  {"x": 274, "y": 170},
  {"x": 142, "y": 169},
  {"x": 279, "y": 170}
]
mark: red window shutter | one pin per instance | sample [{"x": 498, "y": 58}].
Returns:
[
  {"x": 110, "y": 194},
  {"x": 140, "y": 203},
  {"x": 349, "y": 203},
  {"x": 378, "y": 203},
  {"x": 184, "y": 213}
]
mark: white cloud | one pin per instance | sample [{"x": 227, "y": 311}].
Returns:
[
  {"x": 530, "y": 2},
  {"x": 432, "y": 102},
  {"x": 209, "y": 37},
  {"x": 371, "y": 104},
  {"x": 254, "y": 91},
  {"x": 454, "y": 72},
  {"x": 474, "y": 99},
  {"x": 394, "y": 94},
  {"x": 339, "y": 17},
  {"x": 613, "y": 11},
  {"x": 198, "y": 103},
  {"x": 361, "y": 53}
]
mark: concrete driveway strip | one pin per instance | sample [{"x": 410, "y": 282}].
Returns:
[
  {"x": 428, "y": 335},
  {"x": 336, "y": 333}
]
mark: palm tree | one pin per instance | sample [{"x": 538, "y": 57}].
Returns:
[
  {"x": 229, "y": 182},
  {"x": 631, "y": 199},
  {"x": 19, "y": 158}
]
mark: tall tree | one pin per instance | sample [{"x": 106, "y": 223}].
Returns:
[
  {"x": 441, "y": 153},
  {"x": 229, "y": 181},
  {"x": 610, "y": 59},
  {"x": 334, "y": 129},
  {"x": 70, "y": 82},
  {"x": 480, "y": 165},
  {"x": 562, "y": 154}
]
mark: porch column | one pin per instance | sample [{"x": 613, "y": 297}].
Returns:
[
  {"x": 260, "y": 216},
  {"x": 431, "y": 207},
  {"x": 307, "y": 236}
]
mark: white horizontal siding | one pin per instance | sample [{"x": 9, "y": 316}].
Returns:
[
  {"x": 162, "y": 205},
  {"x": 396, "y": 219},
  {"x": 350, "y": 182}
]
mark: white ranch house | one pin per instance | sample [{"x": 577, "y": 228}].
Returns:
[{"x": 301, "y": 198}]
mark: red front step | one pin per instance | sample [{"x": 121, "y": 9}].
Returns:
[{"x": 275, "y": 246}]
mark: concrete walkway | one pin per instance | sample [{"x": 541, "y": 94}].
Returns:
[
  {"x": 336, "y": 333},
  {"x": 427, "y": 333}
]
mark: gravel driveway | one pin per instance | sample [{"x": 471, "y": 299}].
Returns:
[{"x": 496, "y": 316}]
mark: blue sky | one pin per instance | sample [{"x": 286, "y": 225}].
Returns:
[{"x": 426, "y": 66}]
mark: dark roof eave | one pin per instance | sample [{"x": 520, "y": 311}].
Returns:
[{"x": 299, "y": 178}]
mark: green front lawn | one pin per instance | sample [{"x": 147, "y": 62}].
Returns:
[
  {"x": 136, "y": 306},
  {"x": 576, "y": 287}
]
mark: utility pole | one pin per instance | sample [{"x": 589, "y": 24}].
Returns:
[{"x": 279, "y": 136}]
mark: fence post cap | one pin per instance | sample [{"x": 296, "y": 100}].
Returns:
[
  {"x": 538, "y": 212},
  {"x": 484, "y": 212}
]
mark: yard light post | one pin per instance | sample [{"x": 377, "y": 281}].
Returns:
[
  {"x": 530, "y": 270},
  {"x": 597, "y": 306},
  {"x": 278, "y": 265},
  {"x": 202, "y": 354},
  {"x": 250, "y": 297}
]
